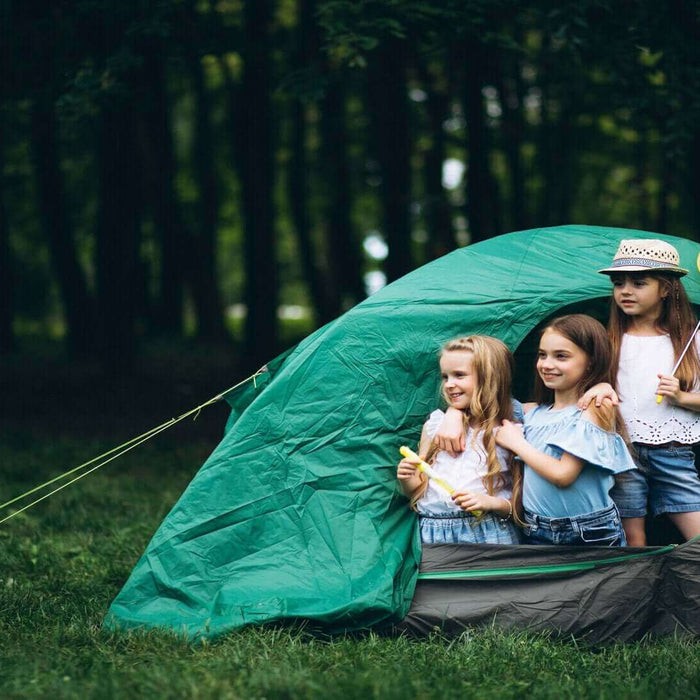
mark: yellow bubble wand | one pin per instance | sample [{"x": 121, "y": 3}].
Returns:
[
  {"x": 423, "y": 466},
  {"x": 659, "y": 397}
]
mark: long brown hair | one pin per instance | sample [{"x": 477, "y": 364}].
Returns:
[
  {"x": 490, "y": 404},
  {"x": 589, "y": 335},
  {"x": 677, "y": 319}
]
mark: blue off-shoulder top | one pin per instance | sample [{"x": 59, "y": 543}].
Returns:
[{"x": 566, "y": 430}]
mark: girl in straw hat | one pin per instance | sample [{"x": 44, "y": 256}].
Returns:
[{"x": 651, "y": 324}]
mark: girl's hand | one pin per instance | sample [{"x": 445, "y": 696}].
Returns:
[
  {"x": 599, "y": 392},
  {"x": 450, "y": 435},
  {"x": 510, "y": 436},
  {"x": 469, "y": 501},
  {"x": 670, "y": 387},
  {"x": 407, "y": 469}
]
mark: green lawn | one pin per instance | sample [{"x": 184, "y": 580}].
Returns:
[{"x": 62, "y": 563}]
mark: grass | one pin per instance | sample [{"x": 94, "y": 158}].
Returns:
[{"x": 62, "y": 563}]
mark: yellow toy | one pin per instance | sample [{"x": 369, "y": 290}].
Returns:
[{"x": 423, "y": 466}]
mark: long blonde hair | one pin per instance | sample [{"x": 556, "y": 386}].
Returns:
[
  {"x": 490, "y": 404},
  {"x": 677, "y": 319}
]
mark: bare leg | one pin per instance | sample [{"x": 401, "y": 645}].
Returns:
[
  {"x": 634, "y": 531},
  {"x": 687, "y": 523}
]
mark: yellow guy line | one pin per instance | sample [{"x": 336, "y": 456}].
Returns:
[{"x": 128, "y": 445}]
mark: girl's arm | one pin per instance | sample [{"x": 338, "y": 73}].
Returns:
[
  {"x": 450, "y": 435},
  {"x": 560, "y": 472},
  {"x": 406, "y": 472},
  {"x": 670, "y": 387}
]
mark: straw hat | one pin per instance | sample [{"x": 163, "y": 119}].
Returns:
[{"x": 645, "y": 255}]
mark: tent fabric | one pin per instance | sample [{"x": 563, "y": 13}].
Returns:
[
  {"x": 296, "y": 513},
  {"x": 595, "y": 594}
]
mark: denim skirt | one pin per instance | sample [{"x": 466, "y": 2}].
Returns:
[{"x": 466, "y": 528}]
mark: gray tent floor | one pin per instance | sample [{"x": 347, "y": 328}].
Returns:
[{"x": 595, "y": 594}]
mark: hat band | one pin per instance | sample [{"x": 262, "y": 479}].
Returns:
[{"x": 641, "y": 262}]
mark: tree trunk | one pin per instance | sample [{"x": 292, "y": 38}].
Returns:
[
  {"x": 388, "y": 107},
  {"x": 664, "y": 190},
  {"x": 479, "y": 187},
  {"x": 512, "y": 94},
  {"x": 544, "y": 141},
  {"x": 50, "y": 186},
  {"x": 694, "y": 181},
  {"x": 297, "y": 185},
  {"x": 166, "y": 211},
  {"x": 438, "y": 216},
  {"x": 564, "y": 160},
  {"x": 345, "y": 282},
  {"x": 641, "y": 160},
  {"x": 297, "y": 180},
  {"x": 7, "y": 339},
  {"x": 205, "y": 288},
  {"x": 256, "y": 163},
  {"x": 117, "y": 242}
]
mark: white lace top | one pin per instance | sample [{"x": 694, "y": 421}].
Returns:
[
  {"x": 641, "y": 359},
  {"x": 463, "y": 472}
]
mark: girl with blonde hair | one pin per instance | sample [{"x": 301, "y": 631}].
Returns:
[{"x": 476, "y": 380}]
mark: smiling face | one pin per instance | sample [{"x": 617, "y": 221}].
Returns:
[
  {"x": 639, "y": 295},
  {"x": 561, "y": 363},
  {"x": 458, "y": 379}
]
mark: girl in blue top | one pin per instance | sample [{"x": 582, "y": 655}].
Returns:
[{"x": 571, "y": 456}]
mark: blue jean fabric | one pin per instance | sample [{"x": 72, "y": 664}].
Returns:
[
  {"x": 600, "y": 529},
  {"x": 665, "y": 481},
  {"x": 468, "y": 529}
]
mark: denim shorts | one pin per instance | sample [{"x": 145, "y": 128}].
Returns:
[
  {"x": 666, "y": 480},
  {"x": 603, "y": 528},
  {"x": 465, "y": 528}
]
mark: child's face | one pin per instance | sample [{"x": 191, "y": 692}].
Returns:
[
  {"x": 639, "y": 295},
  {"x": 561, "y": 364},
  {"x": 458, "y": 380}
]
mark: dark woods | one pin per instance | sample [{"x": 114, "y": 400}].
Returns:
[{"x": 193, "y": 167}]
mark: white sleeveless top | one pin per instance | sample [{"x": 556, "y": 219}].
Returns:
[
  {"x": 641, "y": 359},
  {"x": 463, "y": 472}
]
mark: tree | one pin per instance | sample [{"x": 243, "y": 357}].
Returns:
[
  {"x": 7, "y": 340},
  {"x": 118, "y": 233},
  {"x": 77, "y": 304},
  {"x": 387, "y": 103},
  {"x": 255, "y": 147}
]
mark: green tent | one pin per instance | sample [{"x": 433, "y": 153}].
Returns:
[{"x": 296, "y": 513}]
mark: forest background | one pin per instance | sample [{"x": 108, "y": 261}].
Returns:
[
  {"x": 243, "y": 172},
  {"x": 188, "y": 187}
]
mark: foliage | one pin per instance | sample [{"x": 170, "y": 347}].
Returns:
[{"x": 589, "y": 108}]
